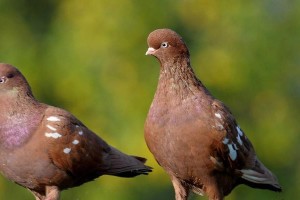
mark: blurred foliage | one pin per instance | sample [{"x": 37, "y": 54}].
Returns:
[{"x": 88, "y": 57}]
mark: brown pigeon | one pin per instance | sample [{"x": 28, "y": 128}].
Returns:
[
  {"x": 194, "y": 136},
  {"x": 46, "y": 149}
]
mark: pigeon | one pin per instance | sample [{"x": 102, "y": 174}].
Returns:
[
  {"x": 46, "y": 149},
  {"x": 194, "y": 136}
]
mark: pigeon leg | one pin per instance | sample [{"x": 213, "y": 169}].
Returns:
[
  {"x": 181, "y": 191},
  {"x": 52, "y": 193}
]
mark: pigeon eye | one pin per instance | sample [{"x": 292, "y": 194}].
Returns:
[
  {"x": 164, "y": 45},
  {"x": 3, "y": 79}
]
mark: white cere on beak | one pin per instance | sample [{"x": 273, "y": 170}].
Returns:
[{"x": 150, "y": 51}]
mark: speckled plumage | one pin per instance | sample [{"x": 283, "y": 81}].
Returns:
[
  {"x": 46, "y": 149},
  {"x": 194, "y": 136}
]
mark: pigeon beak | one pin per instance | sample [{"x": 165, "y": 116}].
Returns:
[{"x": 150, "y": 51}]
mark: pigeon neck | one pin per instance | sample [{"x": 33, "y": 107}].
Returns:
[
  {"x": 19, "y": 115},
  {"x": 177, "y": 78}
]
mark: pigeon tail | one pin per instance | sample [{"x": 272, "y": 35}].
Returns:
[
  {"x": 260, "y": 177},
  {"x": 126, "y": 166}
]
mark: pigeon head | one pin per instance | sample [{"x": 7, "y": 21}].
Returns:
[
  {"x": 166, "y": 45},
  {"x": 11, "y": 79}
]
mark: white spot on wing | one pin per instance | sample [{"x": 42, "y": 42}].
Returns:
[
  {"x": 225, "y": 141},
  {"x": 75, "y": 142},
  {"x": 51, "y": 128},
  {"x": 53, "y": 119},
  {"x": 240, "y": 132},
  {"x": 219, "y": 127},
  {"x": 239, "y": 139},
  {"x": 67, "y": 150},
  {"x": 232, "y": 152},
  {"x": 235, "y": 147},
  {"x": 54, "y": 135},
  {"x": 80, "y": 132},
  {"x": 218, "y": 115}
]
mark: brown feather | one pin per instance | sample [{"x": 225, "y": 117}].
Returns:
[
  {"x": 192, "y": 135},
  {"x": 46, "y": 149}
]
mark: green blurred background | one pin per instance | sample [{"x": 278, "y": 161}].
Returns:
[{"x": 89, "y": 58}]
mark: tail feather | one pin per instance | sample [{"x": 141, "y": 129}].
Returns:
[
  {"x": 123, "y": 165},
  {"x": 143, "y": 160},
  {"x": 260, "y": 177}
]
